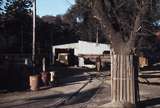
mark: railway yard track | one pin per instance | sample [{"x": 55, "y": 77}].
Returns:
[
  {"x": 78, "y": 95},
  {"x": 81, "y": 97},
  {"x": 85, "y": 90}
]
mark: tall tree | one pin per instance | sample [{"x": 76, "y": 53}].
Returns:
[
  {"x": 16, "y": 30},
  {"x": 124, "y": 22},
  {"x": 86, "y": 26}
]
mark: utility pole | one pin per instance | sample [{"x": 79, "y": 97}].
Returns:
[
  {"x": 33, "y": 78},
  {"x": 34, "y": 32},
  {"x": 97, "y": 36}
]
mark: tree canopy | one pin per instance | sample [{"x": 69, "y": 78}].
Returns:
[
  {"x": 123, "y": 22},
  {"x": 87, "y": 27},
  {"x": 1, "y": 1},
  {"x": 86, "y": 20},
  {"x": 16, "y": 29}
]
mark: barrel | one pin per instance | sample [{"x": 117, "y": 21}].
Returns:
[{"x": 34, "y": 79}]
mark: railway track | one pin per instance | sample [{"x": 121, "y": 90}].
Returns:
[{"x": 68, "y": 100}]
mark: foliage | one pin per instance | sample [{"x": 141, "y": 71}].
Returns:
[
  {"x": 1, "y": 1},
  {"x": 80, "y": 16},
  {"x": 124, "y": 22},
  {"x": 15, "y": 30},
  {"x": 56, "y": 30},
  {"x": 120, "y": 21},
  {"x": 14, "y": 7}
]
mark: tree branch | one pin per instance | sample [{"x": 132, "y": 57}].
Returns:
[
  {"x": 99, "y": 12},
  {"x": 137, "y": 24}
]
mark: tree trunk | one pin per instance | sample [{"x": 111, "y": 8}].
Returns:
[{"x": 123, "y": 82}]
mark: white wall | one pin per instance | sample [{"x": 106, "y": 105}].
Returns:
[
  {"x": 92, "y": 48},
  {"x": 83, "y": 47}
]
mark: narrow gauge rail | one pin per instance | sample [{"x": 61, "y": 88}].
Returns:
[{"x": 65, "y": 100}]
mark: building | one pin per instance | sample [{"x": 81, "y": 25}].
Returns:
[{"x": 81, "y": 50}]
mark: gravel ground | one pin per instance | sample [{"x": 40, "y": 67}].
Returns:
[
  {"x": 48, "y": 98},
  {"x": 91, "y": 96}
]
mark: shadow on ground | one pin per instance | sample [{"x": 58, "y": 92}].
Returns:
[
  {"x": 150, "y": 103},
  {"x": 51, "y": 102},
  {"x": 64, "y": 74}
]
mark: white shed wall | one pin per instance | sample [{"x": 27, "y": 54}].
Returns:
[
  {"x": 92, "y": 48},
  {"x": 83, "y": 47}
]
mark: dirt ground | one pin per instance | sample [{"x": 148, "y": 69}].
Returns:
[{"x": 93, "y": 92}]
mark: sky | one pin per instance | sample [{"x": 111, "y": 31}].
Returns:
[{"x": 53, "y": 7}]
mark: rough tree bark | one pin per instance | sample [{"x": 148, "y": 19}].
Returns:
[
  {"x": 124, "y": 83},
  {"x": 121, "y": 20},
  {"x": 122, "y": 78},
  {"x": 124, "y": 89},
  {"x": 122, "y": 27}
]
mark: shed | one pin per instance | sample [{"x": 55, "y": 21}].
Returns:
[{"x": 82, "y": 48}]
